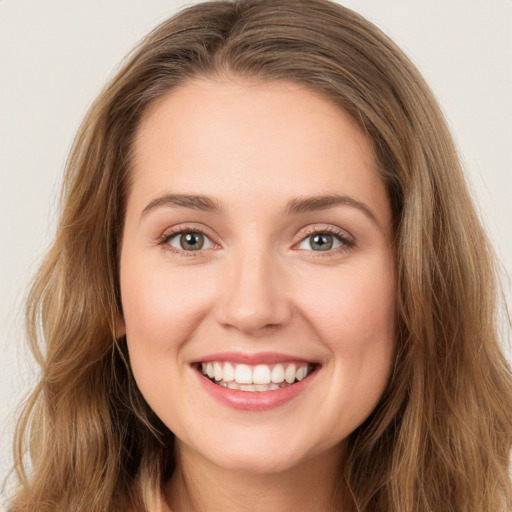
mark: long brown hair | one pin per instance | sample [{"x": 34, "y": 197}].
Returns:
[{"x": 441, "y": 436}]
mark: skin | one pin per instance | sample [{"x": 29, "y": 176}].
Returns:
[{"x": 257, "y": 287}]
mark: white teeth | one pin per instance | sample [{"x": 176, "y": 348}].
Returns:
[
  {"x": 209, "y": 370},
  {"x": 301, "y": 373},
  {"x": 289, "y": 374},
  {"x": 261, "y": 374},
  {"x": 229, "y": 372},
  {"x": 258, "y": 387},
  {"x": 243, "y": 374},
  {"x": 261, "y": 377},
  {"x": 277, "y": 373},
  {"x": 217, "y": 370}
]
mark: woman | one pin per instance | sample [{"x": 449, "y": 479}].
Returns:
[{"x": 269, "y": 288}]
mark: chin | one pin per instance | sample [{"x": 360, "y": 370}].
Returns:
[
  {"x": 253, "y": 454},
  {"x": 256, "y": 462}
]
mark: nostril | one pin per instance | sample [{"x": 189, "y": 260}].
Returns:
[{"x": 253, "y": 300}]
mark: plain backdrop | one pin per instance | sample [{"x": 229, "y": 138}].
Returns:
[{"x": 56, "y": 55}]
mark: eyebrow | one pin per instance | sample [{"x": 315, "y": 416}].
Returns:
[
  {"x": 316, "y": 203},
  {"x": 295, "y": 206},
  {"x": 195, "y": 202}
]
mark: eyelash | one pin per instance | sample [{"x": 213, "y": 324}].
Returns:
[
  {"x": 164, "y": 240},
  {"x": 347, "y": 241}
]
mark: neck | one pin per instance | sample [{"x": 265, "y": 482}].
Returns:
[{"x": 198, "y": 485}]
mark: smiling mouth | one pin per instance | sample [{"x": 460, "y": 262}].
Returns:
[{"x": 257, "y": 378}]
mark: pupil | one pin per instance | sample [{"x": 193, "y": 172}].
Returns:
[
  {"x": 192, "y": 241},
  {"x": 321, "y": 242}
]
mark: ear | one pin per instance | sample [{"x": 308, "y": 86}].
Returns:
[{"x": 120, "y": 327}]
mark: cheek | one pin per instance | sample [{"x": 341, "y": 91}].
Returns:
[
  {"x": 355, "y": 318},
  {"x": 161, "y": 307},
  {"x": 355, "y": 306}
]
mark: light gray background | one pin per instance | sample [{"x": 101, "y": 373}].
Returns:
[{"x": 56, "y": 55}]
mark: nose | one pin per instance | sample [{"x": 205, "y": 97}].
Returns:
[{"x": 254, "y": 295}]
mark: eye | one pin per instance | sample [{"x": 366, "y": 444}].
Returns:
[
  {"x": 323, "y": 241},
  {"x": 189, "y": 241},
  {"x": 320, "y": 242}
]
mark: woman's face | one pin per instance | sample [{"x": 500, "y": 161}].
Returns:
[{"x": 257, "y": 248}]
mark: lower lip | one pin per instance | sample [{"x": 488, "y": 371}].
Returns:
[{"x": 255, "y": 400}]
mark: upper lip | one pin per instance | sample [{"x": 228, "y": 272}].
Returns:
[{"x": 252, "y": 358}]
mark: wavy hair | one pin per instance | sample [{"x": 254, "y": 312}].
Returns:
[{"x": 439, "y": 439}]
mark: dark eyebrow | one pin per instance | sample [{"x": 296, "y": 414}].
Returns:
[
  {"x": 196, "y": 202},
  {"x": 314, "y": 203}
]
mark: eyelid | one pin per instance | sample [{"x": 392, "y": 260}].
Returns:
[
  {"x": 347, "y": 240},
  {"x": 170, "y": 233}
]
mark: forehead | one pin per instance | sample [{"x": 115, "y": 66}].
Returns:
[{"x": 225, "y": 138}]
